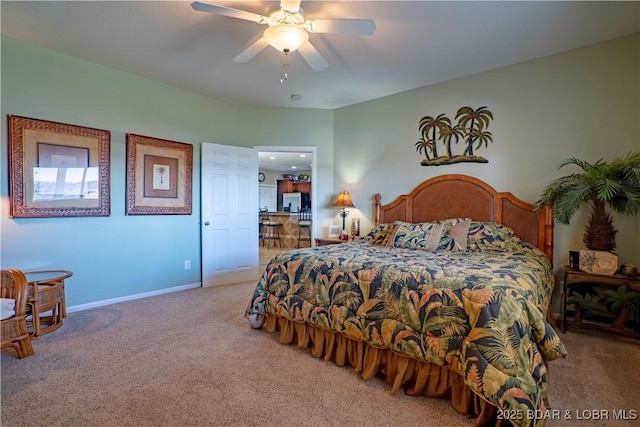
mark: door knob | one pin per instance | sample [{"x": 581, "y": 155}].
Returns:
[{"x": 206, "y": 223}]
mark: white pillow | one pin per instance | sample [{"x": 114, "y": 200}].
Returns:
[{"x": 7, "y": 308}]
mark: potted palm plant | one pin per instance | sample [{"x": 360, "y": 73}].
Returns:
[{"x": 614, "y": 185}]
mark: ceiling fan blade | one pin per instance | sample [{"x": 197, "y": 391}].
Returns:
[
  {"x": 290, "y": 5},
  {"x": 251, "y": 51},
  {"x": 313, "y": 57},
  {"x": 360, "y": 27},
  {"x": 228, "y": 11}
]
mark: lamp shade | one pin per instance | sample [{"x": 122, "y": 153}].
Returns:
[
  {"x": 344, "y": 200},
  {"x": 286, "y": 37}
]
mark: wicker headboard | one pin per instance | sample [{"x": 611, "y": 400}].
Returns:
[{"x": 462, "y": 196}]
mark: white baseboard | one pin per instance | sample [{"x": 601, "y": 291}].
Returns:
[{"x": 132, "y": 297}]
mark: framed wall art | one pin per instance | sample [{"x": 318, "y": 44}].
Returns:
[
  {"x": 57, "y": 169},
  {"x": 333, "y": 231},
  {"x": 159, "y": 174}
]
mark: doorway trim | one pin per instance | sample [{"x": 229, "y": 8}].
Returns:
[{"x": 314, "y": 166}]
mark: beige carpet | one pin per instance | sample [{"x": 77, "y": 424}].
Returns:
[{"x": 190, "y": 358}]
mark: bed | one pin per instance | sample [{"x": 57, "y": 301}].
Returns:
[{"x": 446, "y": 297}]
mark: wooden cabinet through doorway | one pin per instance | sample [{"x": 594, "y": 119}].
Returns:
[{"x": 291, "y": 186}]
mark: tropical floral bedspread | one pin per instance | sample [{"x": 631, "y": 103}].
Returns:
[{"x": 480, "y": 313}]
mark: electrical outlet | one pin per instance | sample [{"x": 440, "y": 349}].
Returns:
[{"x": 187, "y": 264}]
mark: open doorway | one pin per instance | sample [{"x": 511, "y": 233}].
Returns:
[{"x": 286, "y": 171}]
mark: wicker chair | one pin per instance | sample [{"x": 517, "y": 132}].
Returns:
[{"x": 14, "y": 329}]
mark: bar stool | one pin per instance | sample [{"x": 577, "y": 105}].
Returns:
[
  {"x": 304, "y": 222},
  {"x": 260, "y": 227},
  {"x": 270, "y": 229}
]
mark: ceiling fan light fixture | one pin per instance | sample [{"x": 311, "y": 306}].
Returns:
[{"x": 286, "y": 37}]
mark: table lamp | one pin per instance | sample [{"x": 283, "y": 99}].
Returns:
[{"x": 344, "y": 201}]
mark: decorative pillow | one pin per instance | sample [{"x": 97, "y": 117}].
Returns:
[
  {"x": 447, "y": 234},
  {"x": 486, "y": 236},
  {"x": 425, "y": 235},
  {"x": 379, "y": 234},
  {"x": 391, "y": 236},
  {"x": 454, "y": 234}
]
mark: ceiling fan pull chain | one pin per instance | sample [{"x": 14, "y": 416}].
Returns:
[{"x": 284, "y": 75}]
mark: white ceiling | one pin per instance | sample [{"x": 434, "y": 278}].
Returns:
[
  {"x": 416, "y": 43},
  {"x": 288, "y": 162}
]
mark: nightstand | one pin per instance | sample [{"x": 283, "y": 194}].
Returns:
[
  {"x": 594, "y": 300},
  {"x": 323, "y": 241}
]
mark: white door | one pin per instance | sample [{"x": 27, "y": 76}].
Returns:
[
  {"x": 268, "y": 196},
  {"x": 229, "y": 199}
]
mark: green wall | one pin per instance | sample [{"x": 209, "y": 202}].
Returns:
[
  {"x": 118, "y": 256},
  {"x": 584, "y": 103}
]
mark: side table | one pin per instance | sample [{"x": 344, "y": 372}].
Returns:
[
  {"x": 323, "y": 241},
  {"x": 46, "y": 294},
  {"x": 574, "y": 277}
]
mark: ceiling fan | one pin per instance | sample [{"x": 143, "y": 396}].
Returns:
[{"x": 288, "y": 29}]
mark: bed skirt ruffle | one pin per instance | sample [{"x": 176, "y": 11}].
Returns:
[{"x": 416, "y": 377}]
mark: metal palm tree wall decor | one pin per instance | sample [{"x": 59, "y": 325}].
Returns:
[{"x": 470, "y": 128}]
